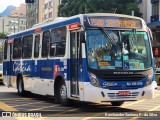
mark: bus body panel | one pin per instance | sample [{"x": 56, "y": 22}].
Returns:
[{"x": 39, "y": 75}]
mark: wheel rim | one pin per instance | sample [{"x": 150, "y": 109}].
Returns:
[
  {"x": 63, "y": 92},
  {"x": 20, "y": 86}
]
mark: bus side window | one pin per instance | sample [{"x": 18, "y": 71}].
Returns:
[
  {"x": 58, "y": 41},
  {"x": 5, "y": 49},
  {"x": 45, "y": 43},
  {"x": 27, "y": 46},
  {"x": 17, "y": 48},
  {"x": 36, "y": 46}
]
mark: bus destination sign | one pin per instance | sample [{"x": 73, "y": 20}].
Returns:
[{"x": 120, "y": 22}]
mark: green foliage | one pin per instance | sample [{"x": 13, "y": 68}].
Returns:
[
  {"x": 74, "y": 7},
  {"x": 2, "y": 35}
]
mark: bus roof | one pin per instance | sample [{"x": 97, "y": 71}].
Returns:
[{"x": 63, "y": 21}]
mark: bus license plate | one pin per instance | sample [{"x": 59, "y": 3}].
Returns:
[{"x": 123, "y": 93}]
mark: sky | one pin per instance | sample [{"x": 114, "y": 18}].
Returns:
[{"x": 5, "y": 3}]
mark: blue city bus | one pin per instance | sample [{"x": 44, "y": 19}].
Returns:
[{"x": 98, "y": 57}]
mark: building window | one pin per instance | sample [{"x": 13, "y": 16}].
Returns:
[
  {"x": 155, "y": 8},
  {"x": 60, "y": 1},
  {"x": 50, "y": 4},
  {"x": 46, "y": 5},
  {"x": 139, "y": 1},
  {"x": 50, "y": 14},
  {"x": 46, "y": 16}
]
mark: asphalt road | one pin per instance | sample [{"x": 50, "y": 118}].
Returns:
[{"x": 45, "y": 107}]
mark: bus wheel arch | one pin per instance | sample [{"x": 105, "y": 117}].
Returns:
[
  {"x": 20, "y": 85},
  {"x": 60, "y": 91}
]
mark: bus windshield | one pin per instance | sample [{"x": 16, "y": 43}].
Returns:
[{"x": 119, "y": 49}]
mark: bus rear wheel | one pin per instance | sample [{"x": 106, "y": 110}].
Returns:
[
  {"x": 20, "y": 87},
  {"x": 62, "y": 94},
  {"x": 117, "y": 103}
]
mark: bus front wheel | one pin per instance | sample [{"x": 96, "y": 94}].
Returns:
[
  {"x": 20, "y": 87},
  {"x": 62, "y": 93},
  {"x": 117, "y": 103}
]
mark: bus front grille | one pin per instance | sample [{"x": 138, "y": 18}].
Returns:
[{"x": 121, "y": 77}]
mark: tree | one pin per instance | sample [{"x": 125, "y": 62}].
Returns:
[
  {"x": 73, "y": 7},
  {"x": 2, "y": 37}
]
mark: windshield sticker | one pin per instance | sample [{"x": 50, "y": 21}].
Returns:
[
  {"x": 104, "y": 67},
  {"x": 93, "y": 64},
  {"x": 118, "y": 63},
  {"x": 107, "y": 58},
  {"x": 141, "y": 65},
  {"x": 131, "y": 33},
  {"x": 145, "y": 37},
  {"x": 125, "y": 57},
  {"x": 107, "y": 67},
  {"x": 118, "y": 56},
  {"x": 104, "y": 64},
  {"x": 134, "y": 65},
  {"x": 126, "y": 65}
]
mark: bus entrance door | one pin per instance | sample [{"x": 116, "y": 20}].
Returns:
[
  {"x": 10, "y": 45},
  {"x": 74, "y": 63}
]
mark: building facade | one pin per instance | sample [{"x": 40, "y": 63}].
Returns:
[
  {"x": 32, "y": 11},
  {"x": 151, "y": 14},
  {"x": 50, "y": 10},
  {"x": 19, "y": 11},
  {"x": 42, "y": 11},
  {"x": 12, "y": 24}
]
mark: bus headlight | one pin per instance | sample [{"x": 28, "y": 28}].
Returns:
[
  {"x": 149, "y": 80},
  {"x": 94, "y": 80}
]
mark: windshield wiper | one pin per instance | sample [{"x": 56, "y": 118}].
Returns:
[{"x": 108, "y": 36}]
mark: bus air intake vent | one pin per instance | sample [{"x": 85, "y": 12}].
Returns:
[
  {"x": 127, "y": 77},
  {"x": 116, "y": 96}
]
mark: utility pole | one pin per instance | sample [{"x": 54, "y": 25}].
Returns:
[{"x": 132, "y": 13}]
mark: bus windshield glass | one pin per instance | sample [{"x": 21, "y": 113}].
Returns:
[{"x": 119, "y": 49}]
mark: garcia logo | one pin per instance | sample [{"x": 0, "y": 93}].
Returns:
[
  {"x": 105, "y": 84},
  {"x": 24, "y": 67}
]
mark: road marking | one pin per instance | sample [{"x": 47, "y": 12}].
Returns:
[
  {"x": 154, "y": 108},
  {"x": 123, "y": 107},
  {"x": 63, "y": 112},
  {"x": 28, "y": 104},
  {"x": 6, "y": 107},
  {"x": 67, "y": 111},
  {"x": 13, "y": 99},
  {"x": 113, "y": 109},
  {"x": 132, "y": 103},
  {"x": 28, "y": 118},
  {"x": 43, "y": 107}
]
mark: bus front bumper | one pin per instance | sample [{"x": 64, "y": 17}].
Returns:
[{"x": 98, "y": 95}]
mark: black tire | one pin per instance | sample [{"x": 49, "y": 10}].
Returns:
[
  {"x": 61, "y": 96},
  {"x": 117, "y": 103},
  {"x": 20, "y": 87}
]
